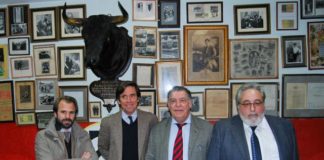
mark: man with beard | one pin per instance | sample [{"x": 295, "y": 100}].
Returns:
[
  {"x": 63, "y": 138},
  {"x": 252, "y": 134}
]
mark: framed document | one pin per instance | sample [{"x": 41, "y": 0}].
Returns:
[
  {"x": 45, "y": 60},
  {"x": 287, "y": 15},
  {"x": 143, "y": 75},
  {"x": 217, "y": 103},
  {"x": 7, "y": 111},
  {"x": 204, "y": 12},
  {"x": 25, "y": 118},
  {"x": 25, "y": 95}
]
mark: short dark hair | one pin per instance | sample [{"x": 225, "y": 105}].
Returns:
[
  {"x": 179, "y": 88},
  {"x": 247, "y": 86},
  {"x": 67, "y": 99},
  {"x": 121, "y": 88}
]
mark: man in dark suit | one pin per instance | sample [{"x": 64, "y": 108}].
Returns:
[
  {"x": 251, "y": 134},
  {"x": 181, "y": 136}
]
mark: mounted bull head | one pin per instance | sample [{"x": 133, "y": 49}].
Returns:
[{"x": 108, "y": 47}]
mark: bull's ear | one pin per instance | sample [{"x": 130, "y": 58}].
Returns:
[
  {"x": 70, "y": 20},
  {"x": 120, "y": 19}
]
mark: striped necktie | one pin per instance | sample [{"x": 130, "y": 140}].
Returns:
[{"x": 178, "y": 144}]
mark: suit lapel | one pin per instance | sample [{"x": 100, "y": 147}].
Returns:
[
  {"x": 280, "y": 138},
  {"x": 119, "y": 129},
  {"x": 165, "y": 140},
  {"x": 239, "y": 136},
  {"x": 141, "y": 131},
  {"x": 194, "y": 135}
]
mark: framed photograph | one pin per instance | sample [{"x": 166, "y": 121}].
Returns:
[
  {"x": 271, "y": 103},
  {"x": 254, "y": 58},
  {"x": 303, "y": 95},
  {"x": 18, "y": 46},
  {"x": 143, "y": 75},
  {"x": 25, "y": 95},
  {"x": 94, "y": 109},
  {"x": 21, "y": 67},
  {"x": 144, "y": 10},
  {"x": 287, "y": 15},
  {"x": 43, "y": 24},
  {"x": 18, "y": 20},
  {"x": 217, "y": 103},
  {"x": 3, "y": 62},
  {"x": 315, "y": 45},
  {"x": 198, "y": 108},
  {"x": 3, "y": 22},
  {"x": 294, "y": 51},
  {"x": 252, "y": 19},
  {"x": 147, "y": 101},
  {"x": 7, "y": 111},
  {"x": 169, "y": 14},
  {"x": 80, "y": 93},
  {"x": 46, "y": 93},
  {"x": 206, "y": 55},
  {"x": 169, "y": 45},
  {"x": 168, "y": 75},
  {"x": 67, "y": 31},
  {"x": 71, "y": 63},
  {"x": 164, "y": 113},
  {"x": 144, "y": 42},
  {"x": 43, "y": 118},
  {"x": 45, "y": 60},
  {"x": 204, "y": 12},
  {"x": 311, "y": 9},
  {"x": 25, "y": 118}
]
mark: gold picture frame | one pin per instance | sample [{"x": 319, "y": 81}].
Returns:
[{"x": 25, "y": 95}]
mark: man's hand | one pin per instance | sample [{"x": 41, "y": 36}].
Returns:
[{"x": 86, "y": 156}]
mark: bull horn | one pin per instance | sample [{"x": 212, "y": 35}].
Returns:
[
  {"x": 72, "y": 21},
  {"x": 120, "y": 19}
]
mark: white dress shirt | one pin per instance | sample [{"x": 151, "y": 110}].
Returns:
[{"x": 126, "y": 119}]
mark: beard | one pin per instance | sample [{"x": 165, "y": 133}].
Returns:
[
  {"x": 252, "y": 120},
  {"x": 64, "y": 123}
]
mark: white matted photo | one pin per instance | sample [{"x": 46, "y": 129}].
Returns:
[
  {"x": 21, "y": 67},
  {"x": 45, "y": 60},
  {"x": 18, "y": 46}
]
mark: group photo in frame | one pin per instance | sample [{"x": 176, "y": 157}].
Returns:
[
  {"x": 95, "y": 110},
  {"x": 169, "y": 13},
  {"x": 204, "y": 12},
  {"x": 294, "y": 51},
  {"x": 19, "y": 46},
  {"x": 43, "y": 118},
  {"x": 25, "y": 95},
  {"x": 46, "y": 93},
  {"x": 4, "y": 62},
  {"x": 315, "y": 44},
  {"x": 144, "y": 42},
  {"x": 45, "y": 60},
  {"x": 143, "y": 75},
  {"x": 43, "y": 24},
  {"x": 206, "y": 55},
  {"x": 18, "y": 20},
  {"x": 170, "y": 45},
  {"x": 71, "y": 63},
  {"x": 7, "y": 111},
  {"x": 25, "y": 118},
  {"x": 287, "y": 15},
  {"x": 144, "y": 10},
  {"x": 21, "y": 67},
  {"x": 311, "y": 9},
  {"x": 147, "y": 102},
  {"x": 198, "y": 107},
  {"x": 217, "y": 103},
  {"x": 252, "y": 19},
  {"x": 3, "y": 22}
]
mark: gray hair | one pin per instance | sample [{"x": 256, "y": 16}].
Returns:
[
  {"x": 245, "y": 87},
  {"x": 179, "y": 88}
]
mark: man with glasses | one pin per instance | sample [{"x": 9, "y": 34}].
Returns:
[{"x": 252, "y": 134}]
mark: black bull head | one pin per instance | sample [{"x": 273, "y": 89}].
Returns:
[{"x": 108, "y": 47}]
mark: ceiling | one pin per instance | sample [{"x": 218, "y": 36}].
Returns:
[{"x": 9, "y": 2}]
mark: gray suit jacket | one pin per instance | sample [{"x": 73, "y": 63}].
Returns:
[
  {"x": 110, "y": 138},
  {"x": 228, "y": 139},
  {"x": 200, "y": 134}
]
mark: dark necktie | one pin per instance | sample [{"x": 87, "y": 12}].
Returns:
[
  {"x": 67, "y": 136},
  {"x": 130, "y": 119},
  {"x": 178, "y": 144},
  {"x": 256, "y": 151}
]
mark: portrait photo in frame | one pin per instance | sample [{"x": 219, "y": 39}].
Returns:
[
  {"x": 19, "y": 46},
  {"x": 45, "y": 60},
  {"x": 169, "y": 13},
  {"x": 253, "y": 58},
  {"x": 164, "y": 113},
  {"x": 18, "y": 20},
  {"x": 144, "y": 42},
  {"x": 46, "y": 93},
  {"x": 7, "y": 111},
  {"x": 4, "y": 71},
  {"x": 217, "y": 103},
  {"x": 144, "y": 10},
  {"x": 169, "y": 45},
  {"x": 287, "y": 15},
  {"x": 43, "y": 24},
  {"x": 311, "y": 9},
  {"x": 43, "y": 118},
  {"x": 3, "y": 22},
  {"x": 94, "y": 110},
  {"x": 71, "y": 63},
  {"x": 21, "y": 67},
  {"x": 294, "y": 51},
  {"x": 315, "y": 45},
  {"x": 198, "y": 108},
  {"x": 147, "y": 101},
  {"x": 25, "y": 95},
  {"x": 143, "y": 75},
  {"x": 204, "y": 12},
  {"x": 25, "y": 118},
  {"x": 206, "y": 55},
  {"x": 252, "y": 19}
]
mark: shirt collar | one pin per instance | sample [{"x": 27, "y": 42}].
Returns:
[
  {"x": 262, "y": 125},
  {"x": 66, "y": 130},
  {"x": 125, "y": 116},
  {"x": 187, "y": 121}
]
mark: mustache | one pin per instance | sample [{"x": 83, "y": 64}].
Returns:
[{"x": 67, "y": 119}]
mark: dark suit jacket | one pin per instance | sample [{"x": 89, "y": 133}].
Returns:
[{"x": 228, "y": 139}]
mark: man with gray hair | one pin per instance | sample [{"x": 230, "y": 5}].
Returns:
[{"x": 252, "y": 135}]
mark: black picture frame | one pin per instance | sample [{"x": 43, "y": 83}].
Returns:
[
  {"x": 294, "y": 51},
  {"x": 42, "y": 119},
  {"x": 18, "y": 20},
  {"x": 170, "y": 45},
  {"x": 287, "y": 15},
  {"x": 308, "y": 9},
  {"x": 18, "y": 46},
  {"x": 204, "y": 12},
  {"x": 44, "y": 24},
  {"x": 3, "y": 22},
  {"x": 169, "y": 14}
]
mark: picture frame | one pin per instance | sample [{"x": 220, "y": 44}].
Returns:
[
  {"x": 43, "y": 24},
  {"x": 143, "y": 75},
  {"x": 252, "y": 19},
  {"x": 80, "y": 93},
  {"x": 217, "y": 103},
  {"x": 168, "y": 75},
  {"x": 25, "y": 95},
  {"x": 18, "y": 20},
  {"x": 147, "y": 101},
  {"x": 144, "y": 42},
  {"x": 272, "y": 92},
  {"x": 144, "y": 10},
  {"x": 169, "y": 14},
  {"x": 206, "y": 55},
  {"x": 46, "y": 93},
  {"x": 3, "y": 22},
  {"x": 287, "y": 15},
  {"x": 169, "y": 44},
  {"x": 164, "y": 113},
  {"x": 294, "y": 51},
  {"x": 67, "y": 31},
  {"x": 4, "y": 71},
  {"x": 204, "y": 12},
  {"x": 302, "y": 95},
  {"x": 43, "y": 118},
  {"x": 198, "y": 108},
  {"x": 19, "y": 46},
  {"x": 7, "y": 107},
  {"x": 311, "y": 9},
  {"x": 94, "y": 110},
  {"x": 315, "y": 34},
  {"x": 257, "y": 57},
  {"x": 25, "y": 118},
  {"x": 21, "y": 67},
  {"x": 45, "y": 60},
  {"x": 71, "y": 63}
]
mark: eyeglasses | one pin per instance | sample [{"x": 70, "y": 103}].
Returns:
[{"x": 249, "y": 104}]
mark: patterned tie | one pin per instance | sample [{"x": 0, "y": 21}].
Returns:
[
  {"x": 256, "y": 151},
  {"x": 178, "y": 144},
  {"x": 130, "y": 119}
]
